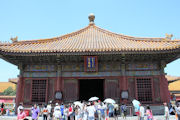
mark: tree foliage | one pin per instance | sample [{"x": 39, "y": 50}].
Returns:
[{"x": 9, "y": 91}]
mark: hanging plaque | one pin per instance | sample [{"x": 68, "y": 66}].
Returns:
[{"x": 91, "y": 63}]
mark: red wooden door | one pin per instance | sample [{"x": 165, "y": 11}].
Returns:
[
  {"x": 70, "y": 90},
  {"x": 111, "y": 89}
]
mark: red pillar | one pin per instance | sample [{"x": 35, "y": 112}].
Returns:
[
  {"x": 59, "y": 79},
  {"x": 164, "y": 92},
  {"x": 124, "y": 87},
  {"x": 58, "y": 84},
  {"x": 19, "y": 91}
]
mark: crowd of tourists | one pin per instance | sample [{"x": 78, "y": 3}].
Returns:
[
  {"x": 141, "y": 113},
  {"x": 95, "y": 110},
  {"x": 75, "y": 111}
]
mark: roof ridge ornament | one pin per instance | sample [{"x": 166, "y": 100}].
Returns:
[
  {"x": 91, "y": 18},
  {"x": 169, "y": 36},
  {"x": 14, "y": 39}
]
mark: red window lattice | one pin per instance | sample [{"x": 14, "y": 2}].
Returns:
[
  {"x": 38, "y": 90},
  {"x": 144, "y": 89}
]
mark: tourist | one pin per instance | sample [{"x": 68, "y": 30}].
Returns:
[
  {"x": 66, "y": 112},
  {"x": 56, "y": 107},
  {"x": 45, "y": 112},
  {"x": 166, "y": 111},
  {"x": 49, "y": 107},
  {"x": 35, "y": 112},
  {"x": 103, "y": 111},
  {"x": 7, "y": 112},
  {"x": 73, "y": 114},
  {"x": 85, "y": 113},
  {"x": 123, "y": 110},
  {"x": 21, "y": 115},
  {"x": 20, "y": 106},
  {"x": 57, "y": 115},
  {"x": 111, "y": 110},
  {"x": 70, "y": 116},
  {"x": 91, "y": 111},
  {"x": 141, "y": 112},
  {"x": 171, "y": 108},
  {"x": 116, "y": 107},
  {"x": 99, "y": 108},
  {"x": 77, "y": 112},
  {"x": 149, "y": 113},
  {"x": 2, "y": 108},
  {"x": 62, "y": 109},
  {"x": 96, "y": 108},
  {"x": 178, "y": 111}
]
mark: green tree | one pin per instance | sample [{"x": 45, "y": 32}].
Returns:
[{"x": 9, "y": 91}]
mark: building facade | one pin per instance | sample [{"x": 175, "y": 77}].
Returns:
[{"x": 92, "y": 62}]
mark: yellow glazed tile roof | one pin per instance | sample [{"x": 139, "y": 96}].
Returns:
[
  {"x": 174, "y": 86},
  {"x": 91, "y": 39},
  {"x": 172, "y": 78},
  {"x": 5, "y": 85}
]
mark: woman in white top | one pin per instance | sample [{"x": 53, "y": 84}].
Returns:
[
  {"x": 77, "y": 113},
  {"x": 91, "y": 111},
  {"x": 66, "y": 112},
  {"x": 85, "y": 113},
  {"x": 166, "y": 111},
  {"x": 57, "y": 114}
]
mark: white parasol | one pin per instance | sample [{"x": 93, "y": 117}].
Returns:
[
  {"x": 93, "y": 99},
  {"x": 78, "y": 103},
  {"x": 109, "y": 100},
  {"x": 136, "y": 103}
]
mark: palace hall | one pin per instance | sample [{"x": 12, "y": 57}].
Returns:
[{"x": 91, "y": 62}]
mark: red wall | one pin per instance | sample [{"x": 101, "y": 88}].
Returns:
[{"x": 122, "y": 85}]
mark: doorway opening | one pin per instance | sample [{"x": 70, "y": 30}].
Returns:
[{"x": 90, "y": 88}]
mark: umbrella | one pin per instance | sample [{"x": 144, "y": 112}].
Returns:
[
  {"x": 93, "y": 99},
  {"x": 109, "y": 100},
  {"x": 136, "y": 103},
  {"x": 78, "y": 103}
]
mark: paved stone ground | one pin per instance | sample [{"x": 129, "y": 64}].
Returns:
[{"x": 120, "y": 118}]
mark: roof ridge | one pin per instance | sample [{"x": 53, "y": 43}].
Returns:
[
  {"x": 155, "y": 39},
  {"x": 127, "y": 37},
  {"x": 51, "y": 39}
]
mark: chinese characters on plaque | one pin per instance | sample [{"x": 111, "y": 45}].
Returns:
[{"x": 91, "y": 64}]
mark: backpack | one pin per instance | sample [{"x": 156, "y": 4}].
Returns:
[{"x": 124, "y": 108}]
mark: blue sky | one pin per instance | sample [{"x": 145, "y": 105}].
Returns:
[{"x": 36, "y": 19}]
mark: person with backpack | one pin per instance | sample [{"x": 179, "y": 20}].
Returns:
[
  {"x": 45, "y": 112},
  {"x": 49, "y": 107},
  {"x": 123, "y": 110}
]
